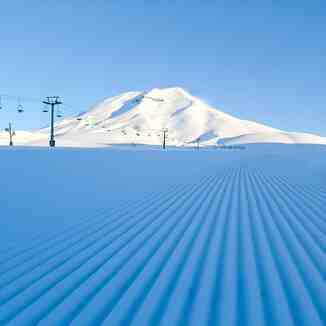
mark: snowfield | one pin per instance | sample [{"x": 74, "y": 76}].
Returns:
[
  {"x": 153, "y": 237},
  {"x": 139, "y": 117}
]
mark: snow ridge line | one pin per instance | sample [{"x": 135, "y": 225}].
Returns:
[
  {"x": 40, "y": 237},
  {"x": 195, "y": 223},
  {"x": 238, "y": 246},
  {"x": 159, "y": 293},
  {"x": 114, "y": 210},
  {"x": 249, "y": 300},
  {"x": 150, "y": 196},
  {"x": 302, "y": 308},
  {"x": 299, "y": 211},
  {"x": 227, "y": 308},
  {"x": 257, "y": 312},
  {"x": 214, "y": 313},
  {"x": 131, "y": 252},
  {"x": 310, "y": 272},
  {"x": 117, "y": 218},
  {"x": 28, "y": 283},
  {"x": 175, "y": 271},
  {"x": 272, "y": 289},
  {"x": 302, "y": 232},
  {"x": 97, "y": 226},
  {"x": 204, "y": 299},
  {"x": 308, "y": 197},
  {"x": 312, "y": 224},
  {"x": 201, "y": 256},
  {"x": 315, "y": 189}
]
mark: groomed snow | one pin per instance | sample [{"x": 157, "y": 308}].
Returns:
[
  {"x": 274, "y": 137},
  {"x": 119, "y": 237}
]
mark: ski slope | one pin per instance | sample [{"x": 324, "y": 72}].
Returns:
[
  {"x": 183, "y": 237},
  {"x": 273, "y": 137}
]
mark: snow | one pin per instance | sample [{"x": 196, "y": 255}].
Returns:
[
  {"x": 274, "y": 137},
  {"x": 152, "y": 237},
  {"x": 22, "y": 137},
  {"x": 139, "y": 117}
]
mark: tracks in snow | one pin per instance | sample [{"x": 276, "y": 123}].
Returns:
[{"x": 233, "y": 248}]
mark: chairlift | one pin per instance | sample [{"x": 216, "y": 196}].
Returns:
[
  {"x": 45, "y": 109},
  {"x": 20, "y": 108},
  {"x": 59, "y": 114}
]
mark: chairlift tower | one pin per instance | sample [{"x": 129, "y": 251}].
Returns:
[
  {"x": 52, "y": 101},
  {"x": 198, "y": 142},
  {"x": 165, "y": 131},
  {"x": 11, "y": 134}
]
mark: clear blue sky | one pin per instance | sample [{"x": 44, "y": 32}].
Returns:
[{"x": 259, "y": 60}]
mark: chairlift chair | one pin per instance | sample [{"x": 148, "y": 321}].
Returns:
[
  {"x": 59, "y": 114},
  {"x": 45, "y": 108},
  {"x": 20, "y": 108}
]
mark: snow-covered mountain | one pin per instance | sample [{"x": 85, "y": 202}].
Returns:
[{"x": 140, "y": 117}]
